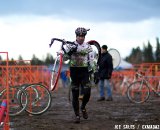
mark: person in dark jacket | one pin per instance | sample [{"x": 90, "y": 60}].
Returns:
[{"x": 105, "y": 73}]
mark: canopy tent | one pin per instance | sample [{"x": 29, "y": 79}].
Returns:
[{"x": 124, "y": 65}]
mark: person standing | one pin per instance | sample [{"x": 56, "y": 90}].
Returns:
[
  {"x": 104, "y": 74},
  {"x": 79, "y": 72}
]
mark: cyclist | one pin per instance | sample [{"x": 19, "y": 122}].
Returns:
[{"x": 80, "y": 58}]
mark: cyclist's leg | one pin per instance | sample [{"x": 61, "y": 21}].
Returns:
[
  {"x": 86, "y": 97},
  {"x": 75, "y": 100},
  {"x": 75, "y": 90},
  {"x": 87, "y": 93},
  {"x": 86, "y": 89}
]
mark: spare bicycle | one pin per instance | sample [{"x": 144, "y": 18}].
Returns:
[{"x": 139, "y": 91}]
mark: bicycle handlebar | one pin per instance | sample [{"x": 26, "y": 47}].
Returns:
[
  {"x": 91, "y": 42},
  {"x": 61, "y": 40}
]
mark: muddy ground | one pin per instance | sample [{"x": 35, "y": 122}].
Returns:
[{"x": 117, "y": 114}]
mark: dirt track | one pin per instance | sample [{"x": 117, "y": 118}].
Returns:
[{"x": 119, "y": 113}]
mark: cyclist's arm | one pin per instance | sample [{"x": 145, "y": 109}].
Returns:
[{"x": 68, "y": 51}]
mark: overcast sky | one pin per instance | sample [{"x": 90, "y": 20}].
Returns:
[{"x": 26, "y": 27}]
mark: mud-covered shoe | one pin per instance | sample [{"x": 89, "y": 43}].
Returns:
[
  {"x": 77, "y": 119},
  {"x": 84, "y": 114}
]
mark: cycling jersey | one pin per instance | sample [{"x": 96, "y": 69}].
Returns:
[{"x": 83, "y": 57}]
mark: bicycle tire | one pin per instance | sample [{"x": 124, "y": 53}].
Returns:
[
  {"x": 34, "y": 94},
  {"x": 138, "y": 92},
  {"x": 55, "y": 73},
  {"x": 18, "y": 100},
  {"x": 97, "y": 45},
  {"x": 41, "y": 104}
]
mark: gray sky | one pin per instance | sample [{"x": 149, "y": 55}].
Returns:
[
  {"x": 88, "y": 10},
  {"x": 27, "y": 26}
]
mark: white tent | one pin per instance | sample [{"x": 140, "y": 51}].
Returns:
[{"x": 124, "y": 65}]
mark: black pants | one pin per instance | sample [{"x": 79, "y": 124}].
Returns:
[{"x": 80, "y": 78}]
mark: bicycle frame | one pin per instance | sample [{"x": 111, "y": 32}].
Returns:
[
  {"x": 149, "y": 85},
  {"x": 54, "y": 79},
  {"x": 53, "y": 85}
]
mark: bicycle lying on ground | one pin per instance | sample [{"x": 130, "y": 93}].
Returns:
[
  {"x": 16, "y": 95},
  {"x": 39, "y": 98},
  {"x": 139, "y": 91},
  {"x": 33, "y": 98}
]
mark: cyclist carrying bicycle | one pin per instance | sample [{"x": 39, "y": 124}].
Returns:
[{"x": 80, "y": 57}]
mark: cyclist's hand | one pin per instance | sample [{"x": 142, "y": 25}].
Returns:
[{"x": 72, "y": 50}]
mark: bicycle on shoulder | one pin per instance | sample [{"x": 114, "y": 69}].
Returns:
[
  {"x": 57, "y": 66},
  {"x": 56, "y": 69}
]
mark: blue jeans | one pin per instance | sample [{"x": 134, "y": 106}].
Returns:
[{"x": 102, "y": 84}]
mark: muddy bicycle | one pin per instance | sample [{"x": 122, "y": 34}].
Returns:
[
  {"x": 139, "y": 91},
  {"x": 57, "y": 66},
  {"x": 18, "y": 99},
  {"x": 39, "y": 98},
  {"x": 32, "y": 98}
]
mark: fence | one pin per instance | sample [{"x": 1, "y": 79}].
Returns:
[
  {"x": 123, "y": 77},
  {"x": 5, "y": 104}
]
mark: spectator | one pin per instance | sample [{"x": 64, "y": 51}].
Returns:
[{"x": 105, "y": 73}]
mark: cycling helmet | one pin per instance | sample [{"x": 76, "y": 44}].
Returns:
[{"x": 81, "y": 31}]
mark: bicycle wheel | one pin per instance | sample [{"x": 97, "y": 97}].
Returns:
[
  {"x": 38, "y": 103},
  {"x": 98, "y": 47},
  {"x": 17, "y": 100},
  {"x": 116, "y": 58},
  {"x": 138, "y": 92},
  {"x": 55, "y": 72}
]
